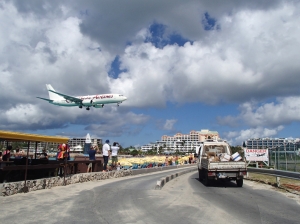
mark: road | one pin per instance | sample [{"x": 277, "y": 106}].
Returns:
[{"x": 134, "y": 200}]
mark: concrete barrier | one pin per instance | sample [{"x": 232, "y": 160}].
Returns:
[
  {"x": 11, "y": 188},
  {"x": 162, "y": 181}
]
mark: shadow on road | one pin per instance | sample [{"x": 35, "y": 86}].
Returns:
[{"x": 219, "y": 183}]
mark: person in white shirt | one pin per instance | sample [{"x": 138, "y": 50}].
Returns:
[
  {"x": 105, "y": 153},
  {"x": 114, "y": 153}
]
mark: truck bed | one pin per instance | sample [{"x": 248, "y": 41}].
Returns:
[{"x": 226, "y": 166}]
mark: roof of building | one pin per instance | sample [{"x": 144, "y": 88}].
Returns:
[{"x": 19, "y": 136}]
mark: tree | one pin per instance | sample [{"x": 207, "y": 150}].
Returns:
[
  {"x": 100, "y": 147},
  {"x": 18, "y": 145},
  {"x": 183, "y": 143},
  {"x": 160, "y": 150},
  {"x": 238, "y": 149},
  {"x": 134, "y": 152}
]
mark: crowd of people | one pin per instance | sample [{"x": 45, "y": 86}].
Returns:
[
  {"x": 109, "y": 152},
  {"x": 7, "y": 154},
  {"x": 18, "y": 154}
]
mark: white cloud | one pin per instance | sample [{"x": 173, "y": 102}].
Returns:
[
  {"x": 169, "y": 124},
  {"x": 237, "y": 138},
  {"x": 283, "y": 111},
  {"x": 253, "y": 57}
]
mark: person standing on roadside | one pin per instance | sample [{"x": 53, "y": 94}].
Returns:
[
  {"x": 92, "y": 157},
  {"x": 105, "y": 153},
  {"x": 114, "y": 154}
]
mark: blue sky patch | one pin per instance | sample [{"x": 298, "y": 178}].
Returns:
[
  {"x": 209, "y": 23},
  {"x": 160, "y": 38},
  {"x": 115, "y": 68}
]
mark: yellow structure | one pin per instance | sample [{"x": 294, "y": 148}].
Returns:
[{"x": 18, "y": 136}]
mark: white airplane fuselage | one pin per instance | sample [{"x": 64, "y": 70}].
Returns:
[
  {"x": 92, "y": 100},
  {"x": 96, "y": 101}
]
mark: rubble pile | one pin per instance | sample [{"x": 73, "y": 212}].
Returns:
[{"x": 223, "y": 157}]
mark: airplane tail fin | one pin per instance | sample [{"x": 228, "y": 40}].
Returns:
[{"x": 53, "y": 96}]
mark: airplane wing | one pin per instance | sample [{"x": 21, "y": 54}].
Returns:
[
  {"x": 50, "y": 101},
  {"x": 70, "y": 98}
]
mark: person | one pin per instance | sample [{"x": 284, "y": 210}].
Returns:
[
  {"x": 62, "y": 156},
  {"x": 173, "y": 161},
  {"x": 44, "y": 155},
  {"x": 118, "y": 166},
  {"x": 6, "y": 154},
  {"x": 191, "y": 158},
  {"x": 58, "y": 153},
  {"x": 105, "y": 153},
  {"x": 63, "y": 152},
  {"x": 166, "y": 161},
  {"x": 92, "y": 157},
  {"x": 18, "y": 154},
  {"x": 114, "y": 154}
]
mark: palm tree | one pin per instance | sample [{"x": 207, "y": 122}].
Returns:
[
  {"x": 183, "y": 143},
  {"x": 160, "y": 150}
]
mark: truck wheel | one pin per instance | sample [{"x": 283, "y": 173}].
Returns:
[
  {"x": 200, "y": 174},
  {"x": 206, "y": 180},
  {"x": 239, "y": 182}
]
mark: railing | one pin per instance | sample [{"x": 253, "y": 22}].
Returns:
[{"x": 277, "y": 173}]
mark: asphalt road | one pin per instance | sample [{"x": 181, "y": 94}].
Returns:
[{"x": 135, "y": 200}]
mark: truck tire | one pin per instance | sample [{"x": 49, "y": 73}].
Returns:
[
  {"x": 200, "y": 175},
  {"x": 206, "y": 181},
  {"x": 239, "y": 182}
]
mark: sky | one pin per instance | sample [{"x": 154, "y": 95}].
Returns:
[{"x": 227, "y": 66}]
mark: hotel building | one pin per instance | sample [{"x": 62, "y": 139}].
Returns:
[
  {"x": 270, "y": 143},
  {"x": 182, "y": 142}
]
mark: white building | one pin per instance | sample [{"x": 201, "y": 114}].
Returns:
[
  {"x": 264, "y": 143},
  {"x": 182, "y": 142},
  {"x": 73, "y": 142}
]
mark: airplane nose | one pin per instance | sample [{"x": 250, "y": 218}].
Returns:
[{"x": 125, "y": 98}]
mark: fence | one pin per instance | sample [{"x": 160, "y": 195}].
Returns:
[{"x": 285, "y": 157}]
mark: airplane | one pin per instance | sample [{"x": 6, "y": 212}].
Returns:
[{"x": 96, "y": 101}]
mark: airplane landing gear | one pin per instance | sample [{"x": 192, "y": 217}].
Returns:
[
  {"x": 87, "y": 108},
  {"x": 102, "y": 105},
  {"x": 80, "y": 107}
]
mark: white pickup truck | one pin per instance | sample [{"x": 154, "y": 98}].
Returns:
[{"x": 216, "y": 162}]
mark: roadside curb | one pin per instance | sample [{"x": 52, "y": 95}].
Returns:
[
  {"x": 273, "y": 185},
  {"x": 162, "y": 181},
  {"x": 11, "y": 188}
]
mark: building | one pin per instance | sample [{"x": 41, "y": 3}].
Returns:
[
  {"x": 182, "y": 142},
  {"x": 270, "y": 143},
  {"x": 73, "y": 142}
]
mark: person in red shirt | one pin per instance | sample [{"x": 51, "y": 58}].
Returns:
[{"x": 6, "y": 154}]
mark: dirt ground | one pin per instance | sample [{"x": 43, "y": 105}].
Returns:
[{"x": 289, "y": 185}]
